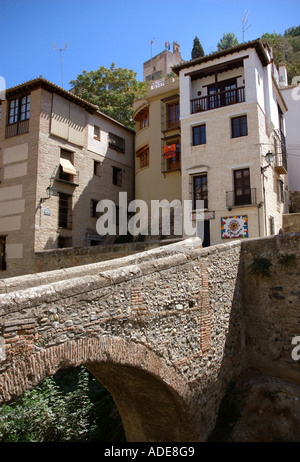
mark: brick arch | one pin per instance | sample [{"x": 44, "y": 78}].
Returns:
[{"x": 154, "y": 401}]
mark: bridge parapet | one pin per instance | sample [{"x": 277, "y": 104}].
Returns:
[{"x": 186, "y": 319}]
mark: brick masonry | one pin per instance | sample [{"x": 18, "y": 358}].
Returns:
[{"x": 164, "y": 330}]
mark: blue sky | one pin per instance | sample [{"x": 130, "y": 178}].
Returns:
[{"x": 99, "y": 32}]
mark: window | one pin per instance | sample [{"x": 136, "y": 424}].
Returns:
[
  {"x": 116, "y": 142},
  {"x": 2, "y": 253},
  {"x": 143, "y": 118},
  {"x": 280, "y": 191},
  {"x": 239, "y": 126},
  {"x": 97, "y": 167},
  {"x": 143, "y": 155},
  {"x": 226, "y": 93},
  {"x": 18, "y": 116},
  {"x": 200, "y": 190},
  {"x": 171, "y": 156},
  {"x": 94, "y": 212},
  {"x": 65, "y": 211},
  {"x": 199, "y": 135},
  {"x": 242, "y": 190},
  {"x": 96, "y": 133},
  {"x": 18, "y": 109},
  {"x": 117, "y": 176},
  {"x": 272, "y": 225},
  {"x": 173, "y": 115},
  {"x": 67, "y": 171}
]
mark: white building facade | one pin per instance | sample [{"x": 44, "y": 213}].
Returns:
[{"x": 232, "y": 116}]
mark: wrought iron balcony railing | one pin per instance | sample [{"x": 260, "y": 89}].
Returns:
[
  {"x": 216, "y": 100},
  {"x": 248, "y": 197},
  {"x": 281, "y": 158}
]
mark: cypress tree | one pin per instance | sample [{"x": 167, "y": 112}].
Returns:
[{"x": 197, "y": 51}]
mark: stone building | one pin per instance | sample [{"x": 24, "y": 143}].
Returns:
[
  {"x": 233, "y": 152},
  {"x": 157, "y": 170},
  {"x": 59, "y": 157},
  {"x": 205, "y": 135},
  {"x": 291, "y": 94},
  {"x": 160, "y": 66}
]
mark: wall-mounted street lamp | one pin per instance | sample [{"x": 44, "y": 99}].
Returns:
[
  {"x": 50, "y": 193},
  {"x": 270, "y": 159}
]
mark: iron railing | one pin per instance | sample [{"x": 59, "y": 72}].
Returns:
[
  {"x": 216, "y": 100},
  {"x": 233, "y": 200}
]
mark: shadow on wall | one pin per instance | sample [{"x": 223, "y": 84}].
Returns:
[{"x": 262, "y": 401}]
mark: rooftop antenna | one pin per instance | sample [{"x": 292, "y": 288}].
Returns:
[
  {"x": 61, "y": 61},
  {"x": 244, "y": 25},
  {"x": 151, "y": 44}
]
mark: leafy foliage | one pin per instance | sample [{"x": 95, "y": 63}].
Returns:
[
  {"x": 288, "y": 260},
  {"x": 113, "y": 90},
  {"x": 261, "y": 266},
  {"x": 197, "y": 51},
  {"x": 71, "y": 406},
  {"x": 227, "y": 41},
  {"x": 286, "y": 49}
]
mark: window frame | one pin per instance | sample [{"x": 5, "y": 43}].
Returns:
[
  {"x": 117, "y": 176},
  {"x": 202, "y": 137},
  {"x": 97, "y": 136},
  {"x": 143, "y": 155},
  {"x": 240, "y": 120},
  {"x": 65, "y": 210},
  {"x": 97, "y": 167},
  {"x": 116, "y": 142},
  {"x": 173, "y": 114},
  {"x": 203, "y": 192},
  {"x": 17, "y": 109},
  {"x": 244, "y": 198}
]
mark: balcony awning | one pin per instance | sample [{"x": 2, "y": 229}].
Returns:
[
  {"x": 217, "y": 68},
  {"x": 67, "y": 166}
]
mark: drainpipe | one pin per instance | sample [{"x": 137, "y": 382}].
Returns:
[{"x": 258, "y": 217}]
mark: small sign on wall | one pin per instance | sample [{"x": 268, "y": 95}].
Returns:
[
  {"x": 203, "y": 215},
  {"x": 234, "y": 227},
  {"x": 47, "y": 211}
]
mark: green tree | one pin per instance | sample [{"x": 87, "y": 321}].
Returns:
[
  {"x": 286, "y": 49},
  {"x": 197, "y": 51},
  {"x": 113, "y": 90},
  {"x": 292, "y": 31},
  {"x": 70, "y": 406},
  {"x": 45, "y": 413},
  {"x": 227, "y": 41}
]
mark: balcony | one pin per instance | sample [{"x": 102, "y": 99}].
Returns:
[
  {"x": 246, "y": 199},
  {"x": 217, "y": 100},
  {"x": 17, "y": 128},
  {"x": 281, "y": 158}
]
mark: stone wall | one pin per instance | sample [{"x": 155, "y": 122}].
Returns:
[
  {"x": 48, "y": 260},
  {"x": 294, "y": 198},
  {"x": 271, "y": 304},
  {"x": 179, "y": 319},
  {"x": 291, "y": 223},
  {"x": 169, "y": 302}
]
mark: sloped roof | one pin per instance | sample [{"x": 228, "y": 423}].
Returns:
[{"x": 257, "y": 44}]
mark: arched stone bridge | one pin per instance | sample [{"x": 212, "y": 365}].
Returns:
[{"x": 165, "y": 331}]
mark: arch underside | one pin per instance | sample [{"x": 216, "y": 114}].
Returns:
[{"x": 153, "y": 400}]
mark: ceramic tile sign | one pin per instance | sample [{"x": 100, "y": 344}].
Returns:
[{"x": 234, "y": 227}]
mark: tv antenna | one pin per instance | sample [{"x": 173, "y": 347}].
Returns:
[
  {"x": 244, "y": 25},
  {"x": 151, "y": 44},
  {"x": 61, "y": 60}
]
